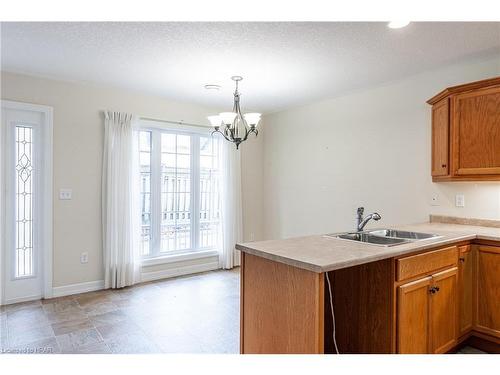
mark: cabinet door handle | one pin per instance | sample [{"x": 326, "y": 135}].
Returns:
[
  {"x": 443, "y": 165},
  {"x": 462, "y": 259},
  {"x": 433, "y": 289}
]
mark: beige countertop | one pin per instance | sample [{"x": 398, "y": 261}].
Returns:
[{"x": 320, "y": 253}]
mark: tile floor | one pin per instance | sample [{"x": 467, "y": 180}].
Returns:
[
  {"x": 193, "y": 314},
  {"x": 470, "y": 350}
]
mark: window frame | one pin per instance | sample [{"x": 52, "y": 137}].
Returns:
[{"x": 157, "y": 128}]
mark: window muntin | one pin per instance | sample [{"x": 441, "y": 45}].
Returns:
[
  {"x": 175, "y": 192},
  {"x": 145, "y": 190},
  {"x": 24, "y": 201},
  {"x": 210, "y": 204},
  {"x": 182, "y": 201}
]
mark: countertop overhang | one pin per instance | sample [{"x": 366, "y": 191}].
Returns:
[{"x": 320, "y": 253}]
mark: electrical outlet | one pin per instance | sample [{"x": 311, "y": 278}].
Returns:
[
  {"x": 435, "y": 200},
  {"x": 65, "y": 194},
  {"x": 84, "y": 257},
  {"x": 460, "y": 200}
]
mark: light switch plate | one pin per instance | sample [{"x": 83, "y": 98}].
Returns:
[
  {"x": 460, "y": 200},
  {"x": 65, "y": 194}
]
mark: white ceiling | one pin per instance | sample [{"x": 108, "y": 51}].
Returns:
[{"x": 283, "y": 64}]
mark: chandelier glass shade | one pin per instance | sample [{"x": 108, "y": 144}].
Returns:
[{"x": 234, "y": 126}]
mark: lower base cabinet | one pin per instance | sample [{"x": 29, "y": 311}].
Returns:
[
  {"x": 413, "y": 317},
  {"x": 487, "y": 285},
  {"x": 465, "y": 288},
  {"x": 438, "y": 311},
  {"x": 443, "y": 312},
  {"x": 427, "y": 313},
  {"x": 441, "y": 298},
  {"x": 428, "y": 302}
]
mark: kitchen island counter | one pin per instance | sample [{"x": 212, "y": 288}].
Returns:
[
  {"x": 424, "y": 296},
  {"x": 322, "y": 253}
]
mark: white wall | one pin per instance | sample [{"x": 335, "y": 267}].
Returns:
[
  {"x": 78, "y": 143},
  {"x": 252, "y": 176},
  {"x": 369, "y": 148}
]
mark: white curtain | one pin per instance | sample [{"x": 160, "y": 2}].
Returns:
[
  {"x": 119, "y": 210},
  {"x": 232, "y": 221}
]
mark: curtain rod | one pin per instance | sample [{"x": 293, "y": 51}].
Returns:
[{"x": 175, "y": 122}]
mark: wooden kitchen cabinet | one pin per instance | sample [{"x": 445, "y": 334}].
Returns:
[
  {"x": 443, "y": 311},
  {"x": 465, "y": 285},
  {"x": 466, "y": 132},
  {"x": 430, "y": 301},
  {"x": 487, "y": 286},
  {"x": 476, "y": 132},
  {"x": 413, "y": 317},
  {"x": 427, "y": 314},
  {"x": 427, "y": 295},
  {"x": 440, "y": 138}
]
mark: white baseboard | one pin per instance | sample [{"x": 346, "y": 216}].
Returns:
[
  {"x": 66, "y": 290},
  {"x": 179, "y": 271},
  {"x": 22, "y": 299},
  {"x": 91, "y": 286}
]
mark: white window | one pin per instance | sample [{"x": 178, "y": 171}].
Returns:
[{"x": 180, "y": 200}]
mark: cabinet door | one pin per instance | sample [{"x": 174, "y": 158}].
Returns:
[
  {"x": 488, "y": 290},
  {"x": 440, "y": 138},
  {"x": 465, "y": 289},
  {"x": 413, "y": 316},
  {"x": 476, "y": 132},
  {"x": 443, "y": 311}
]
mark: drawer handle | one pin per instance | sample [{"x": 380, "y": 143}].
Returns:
[
  {"x": 443, "y": 165},
  {"x": 462, "y": 259}
]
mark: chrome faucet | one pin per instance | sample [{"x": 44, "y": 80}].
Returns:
[{"x": 362, "y": 222}]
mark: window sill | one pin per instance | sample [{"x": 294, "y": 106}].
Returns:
[{"x": 178, "y": 257}]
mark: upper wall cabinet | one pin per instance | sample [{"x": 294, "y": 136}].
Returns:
[
  {"x": 440, "y": 138},
  {"x": 466, "y": 132}
]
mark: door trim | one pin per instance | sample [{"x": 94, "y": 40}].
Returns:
[{"x": 47, "y": 185}]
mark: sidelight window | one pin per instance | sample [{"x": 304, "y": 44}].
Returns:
[{"x": 24, "y": 201}]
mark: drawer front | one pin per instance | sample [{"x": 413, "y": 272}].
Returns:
[{"x": 426, "y": 263}]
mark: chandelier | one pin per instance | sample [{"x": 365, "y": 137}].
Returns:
[{"x": 234, "y": 126}]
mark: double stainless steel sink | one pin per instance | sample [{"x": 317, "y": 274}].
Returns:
[{"x": 384, "y": 237}]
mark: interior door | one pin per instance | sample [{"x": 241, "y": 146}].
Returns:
[
  {"x": 413, "y": 317},
  {"x": 443, "y": 311},
  {"x": 23, "y": 179}
]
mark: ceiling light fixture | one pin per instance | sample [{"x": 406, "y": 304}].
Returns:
[
  {"x": 235, "y": 126},
  {"x": 397, "y": 24},
  {"x": 212, "y": 87}
]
